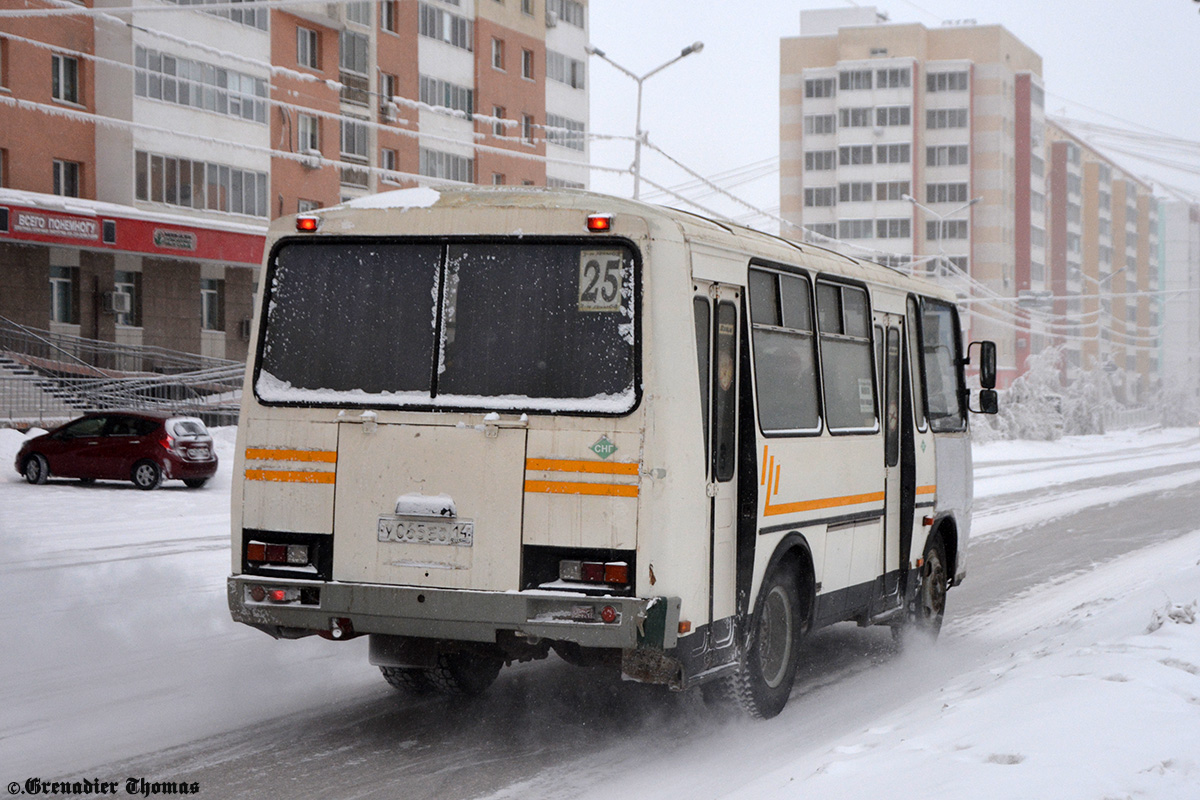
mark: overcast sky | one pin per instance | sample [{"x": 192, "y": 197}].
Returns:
[{"x": 1117, "y": 62}]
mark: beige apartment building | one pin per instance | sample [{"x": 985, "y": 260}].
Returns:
[
  {"x": 1104, "y": 266},
  {"x": 921, "y": 148}
]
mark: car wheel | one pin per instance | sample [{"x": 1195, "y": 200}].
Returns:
[
  {"x": 767, "y": 667},
  {"x": 36, "y": 470},
  {"x": 147, "y": 475},
  {"x": 194, "y": 483}
]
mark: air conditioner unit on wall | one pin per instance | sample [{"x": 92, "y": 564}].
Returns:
[
  {"x": 551, "y": 19},
  {"x": 388, "y": 110},
  {"x": 117, "y": 303}
]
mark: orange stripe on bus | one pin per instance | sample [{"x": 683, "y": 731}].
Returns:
[
  {"x": 269, "y": 454},
  {"x": 763, "y": 480},
  {"x": 566, "y": 487},
  {"x": 778, "y": 467},
  {"x": 598, "y": 467},
  {"x": 927, "y": 489},
  {"x": 827, "y": 502},
  {"x": 284, "y": 476}
]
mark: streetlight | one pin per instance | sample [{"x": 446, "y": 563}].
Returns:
[
  {"x": 941, "y": 218},
  {"x": 694, "y": 47}
]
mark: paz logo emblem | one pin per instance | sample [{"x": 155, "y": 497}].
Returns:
[{"x": 603, "y": 447}]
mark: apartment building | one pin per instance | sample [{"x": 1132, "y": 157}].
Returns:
[
  {"x": 177, "y": 134},
  {"x": 1179, "y": 261},
  {"x": 920, "y": 148},
  {"x": 1104, "y": 266}
]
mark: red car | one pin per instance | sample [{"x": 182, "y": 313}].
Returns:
[{"x": 140, "y": 446}]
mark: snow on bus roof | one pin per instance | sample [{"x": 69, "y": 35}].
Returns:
[{"x": 422, "y": 197}]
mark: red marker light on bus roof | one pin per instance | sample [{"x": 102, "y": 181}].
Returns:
[
  {"x": 307, "y": 224},
  {"x": 599, "y": 223}
]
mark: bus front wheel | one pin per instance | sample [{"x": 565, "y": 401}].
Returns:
[
  {"x": 767, "y": 667},
  {"x": 927, "y": 608}
]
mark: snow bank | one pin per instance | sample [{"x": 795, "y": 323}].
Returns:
[{"x": 422, "y": 197}]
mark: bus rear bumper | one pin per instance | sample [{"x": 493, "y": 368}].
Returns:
[{"x": 308, "y": 607}]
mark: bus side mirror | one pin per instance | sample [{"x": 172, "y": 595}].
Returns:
[
  {"x": 988, "y": 402},
  {"x": 987, "y": 363}
]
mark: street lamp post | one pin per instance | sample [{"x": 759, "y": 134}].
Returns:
[{"x": 694, "y": 47}]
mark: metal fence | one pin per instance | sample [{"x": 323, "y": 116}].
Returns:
[{"x": 48, "y": 377}]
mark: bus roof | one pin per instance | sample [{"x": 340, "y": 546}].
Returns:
[{"x": 366, "y": 215}]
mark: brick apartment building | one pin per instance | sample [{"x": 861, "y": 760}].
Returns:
[{"x": 141, "y": 156}]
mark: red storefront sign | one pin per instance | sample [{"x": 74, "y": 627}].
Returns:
[{"x": 148, "y": 237}]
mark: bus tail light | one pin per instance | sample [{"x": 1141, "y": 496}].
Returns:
[
  {"x": 608, "y": 614},
  {"x": 599, "y": 223},
  {"x": 281, "y": 554},
  {"x": 307, "y": 224},
  {"x": 599, "y": 572}
]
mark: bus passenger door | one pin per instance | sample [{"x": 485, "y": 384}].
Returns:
[
  {"x": 717, "y": 330},
  {"x": 899, "y": 466}
]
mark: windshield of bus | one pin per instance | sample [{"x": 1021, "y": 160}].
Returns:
[{"x": 516, "y": 325}]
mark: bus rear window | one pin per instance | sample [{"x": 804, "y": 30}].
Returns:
[{"x": 530, "y": 326}]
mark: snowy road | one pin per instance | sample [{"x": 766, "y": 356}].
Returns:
[{"x": 121, "y": 661}]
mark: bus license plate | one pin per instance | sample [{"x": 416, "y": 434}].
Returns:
[{"x": 407, "y": 530}]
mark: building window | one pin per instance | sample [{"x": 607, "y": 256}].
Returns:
[
  {"x": 945, "y": 229},
  {"x": 64, "y": 78},
  {"x": 66, "y": 178},
  {"x": 527, "y": 64},
  {"x": 818, "y": 160},
  {"x": 821, "y": 230},
  {"x": 498, "y": 179},
  {"x": 198, "y": 184},
  {"x": 387, "y": 15},
  {"x": 527, "y": 126},
  {"x": 569, "y": 11},
  {"x": 893, "y": 115},
  {"x": 358, "y": 12},
  {"x": 304, "y": 206},
  {"x": 497, "y": 53},
  {"x": 126, "y": 283},
  {"x": 446, "y": 27},
  {"x": 893, "y": 228},
  {"x": 855, "y": 192},
  {"x": 946, "y": 192},
  {"x": 211, "y": 311},
  {"x": 854, "y": 117},
  {"x": 250, "y": 17},
  {"x": 854, "y": 154},
  {"x": 818, "y": 87},
  {"x": 306, "y": 48},
  {"x": 352, "y": 52},
  {"x": 527, "y": 10},
  {"x": 891, "y": 190},
  {"x": 938, "y": 118},
  {"x": 1037, "y": 166},
  {"x": 893, "y": 78},
  {"x": 562, "y": 183},
  {"x": 818, "y": 124},
  {"x": 199, "y": 85},
  {"x": 819, "y": 197},
  {"x": 946, "y": 81},
  {"x": 854, "y": 79},
  {"x": 565, "y": 69},
  {"x": 498, "y": 126},
  {"x": 436, "y": 164},
  {"x": 566, "y": 132},
  {"x": 63, "y": 281},
  {"x": 893, "y": 153},
  {"x": 856, "y": 228},
  {"x": 387, "y": 90},
  {"x": 3, "y": 61},
  {"x": 387, "y": 161},
  {"x": 354, "y": 140},
  {"x": 948, "y": 155},
  {"x": 437, "y": 92},
  {"x": 308, "y": 133}
]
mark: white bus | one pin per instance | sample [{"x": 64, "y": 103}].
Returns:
[{"x": 483, "y": 425}]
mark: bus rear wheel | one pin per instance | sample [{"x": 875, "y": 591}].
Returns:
[
  {"x": 461, "y": 674},
  {"x": 767, "y": 667}
]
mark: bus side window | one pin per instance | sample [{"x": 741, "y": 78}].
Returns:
[
  {"x": 703, "y": 349},
  {"x": 725, "y": 393},
  {"x": 848, "y": 377},
  {"x": 941, "y": 347}
]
